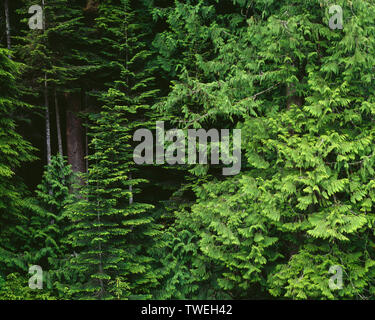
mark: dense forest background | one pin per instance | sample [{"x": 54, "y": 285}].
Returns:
[{"x": 73, "y": 201}]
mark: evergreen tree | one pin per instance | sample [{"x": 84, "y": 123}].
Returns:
[
  {"x": 14, "y": 153},
  {"x": 301, "y": 93},
  {"x": 115, "y": 231},
  {"x": 49, "y": 225},
  {"x": 303, "y": 200},
  {"x": 200, "y": 51}
]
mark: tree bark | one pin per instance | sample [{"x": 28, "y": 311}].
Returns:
[
  {"x": 58, "y": 127},
  {"x": 86, "y": 149},
  {"x": 7, "y": 24},
  {"x": 44, "y": 17},
  {"x": 48, "y": 127},
  {"x": 292, "y": 98},
  {"x": 92, "y": 6},
  {"x": 75, "y": 133},
  {"x": 131, "y": 199},
  {"x": 46, "y": 105},
  {"x": 86, "y": 135}
]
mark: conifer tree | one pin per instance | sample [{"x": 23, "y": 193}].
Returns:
[
  {"x": 303, "y": 201},
  {"x": 198, "y": 50},
  {"x": 49, "y": 225},
  {"x": 114, "y": 230},
  {"x": 300, "y": 91},
  {"x": 15, "y": 151},
  {"x": 61, "y": 61}
]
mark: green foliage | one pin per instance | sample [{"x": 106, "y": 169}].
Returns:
[
  {"x": 15, "y": 287},
  {"x": 114, "y": 231},
  {"x": 48, "y": 222},
  {"x": 301, "y": 93},
  {"x": 294, "y": 88},
  {"x": 14, "y": 152}
]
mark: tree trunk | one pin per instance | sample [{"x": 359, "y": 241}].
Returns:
[
  {"x": 58, "y": 127},
  {"x": 86, "y": 149},
  {"x": 44, "y": 17},
  {"x": 86, "y": 135},
  {"x": 7, "y": 24},
  {"x": 131, "y": 199},
  {"x": 48, "y": 127},
  {"x": 91, "y": 6},
  {"x": 74, "y": 133},
  {"x": 292, "y": 98},
  {"x": 46, "y": 105}
]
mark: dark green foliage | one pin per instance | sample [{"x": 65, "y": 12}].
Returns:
[
  {"x": 114, "y": 231},
  {"x": 48, "y": 222},
  {"x": 14, "y": 152},
  {"x": 303, "y": 96}
]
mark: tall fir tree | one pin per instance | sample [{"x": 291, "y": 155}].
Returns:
[
  {"x": 115, "y": 231},
  {"x": 15, "y": 151}
]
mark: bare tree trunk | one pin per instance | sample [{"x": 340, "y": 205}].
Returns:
[
  {"x": 86, "y": 136},
  {"x": 46, "y": 105},
  {"x": 292, "y": 98},
  {"x": 92, "y": 6},
  {"x": 7, "y": 24},
  {"x": 48, "y": 131},
  {"x": 101, "y": 293},
  {"x": 74, "y": 133},
  {"x": 291, "y": 95},
  {"x": 87, "y": 149},
  {"x": 58, "y": 127},
  {"x": 48, "y": 127},
  {"x": 131, "y": 199}
]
